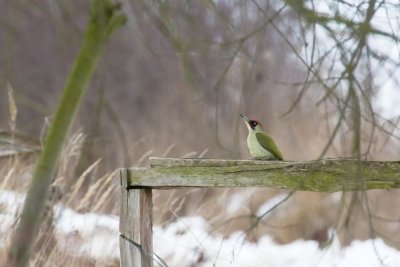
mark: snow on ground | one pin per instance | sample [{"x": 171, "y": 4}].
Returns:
[
  {"x": 89, "y": 234},
  {"x": 9, "y": 204},
  {"x": 188, "y": 241}
]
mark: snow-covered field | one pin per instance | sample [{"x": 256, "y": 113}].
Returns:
[{"x": 188, "y": 242}]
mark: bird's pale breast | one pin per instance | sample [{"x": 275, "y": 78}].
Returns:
[{"x": 256, "y": 150}]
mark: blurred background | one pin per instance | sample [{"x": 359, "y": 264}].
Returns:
[{"x": 321, "y": 76}]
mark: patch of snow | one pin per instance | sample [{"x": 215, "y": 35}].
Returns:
[
  {"x": 88, "y": 234},
  {"x": 11, "y": 201},
  {"x": 9, "y": 204},
  {"x": 188, "y": 242}
]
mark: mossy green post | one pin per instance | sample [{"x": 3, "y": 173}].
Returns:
[{"x": 104, "y": 19}]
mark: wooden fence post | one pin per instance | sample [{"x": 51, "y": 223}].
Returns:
[{"x": 136, "y": 240}]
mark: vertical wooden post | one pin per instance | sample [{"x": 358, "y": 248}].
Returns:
[
  {"x": 146, "y": 226},
  {"x": 136, "y": 225}
]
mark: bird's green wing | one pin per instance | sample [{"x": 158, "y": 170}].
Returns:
[{"x": 268, "y": 143}]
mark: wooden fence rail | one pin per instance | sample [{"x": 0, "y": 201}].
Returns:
[{"x": 327, "y": 175}]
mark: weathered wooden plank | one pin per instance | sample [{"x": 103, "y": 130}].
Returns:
[
  {"x": 327, "y": 175},
  {"x": 196, "y": 162}
]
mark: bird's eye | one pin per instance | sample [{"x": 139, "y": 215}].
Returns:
[{"x": 254, "y": 123}]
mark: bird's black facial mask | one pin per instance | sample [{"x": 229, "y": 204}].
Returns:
[{"x": 253, "y": 124}]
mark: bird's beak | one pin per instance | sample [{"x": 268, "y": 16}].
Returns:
[{"x": 245, "y": 118}]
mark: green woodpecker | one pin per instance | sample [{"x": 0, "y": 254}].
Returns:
[{"x": 261, "y": 145}]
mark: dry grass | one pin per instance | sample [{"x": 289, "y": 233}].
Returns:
[{"x": 100, "y": 195}]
